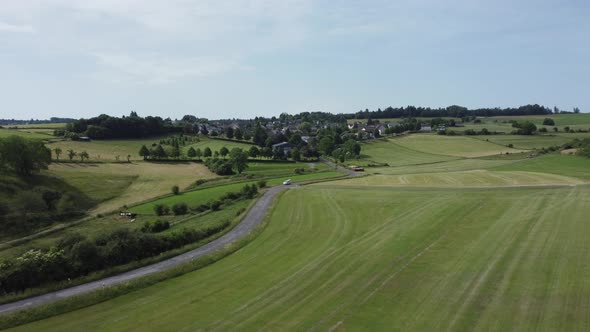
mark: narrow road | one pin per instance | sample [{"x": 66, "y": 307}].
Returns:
[{"x": 250, "y": 221}]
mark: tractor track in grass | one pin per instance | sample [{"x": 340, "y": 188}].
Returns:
[{"x": 250, "y": 221}]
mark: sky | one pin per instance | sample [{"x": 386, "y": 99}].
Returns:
[{"x": 246, "y": 58}]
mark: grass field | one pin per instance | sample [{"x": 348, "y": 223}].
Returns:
[
  {"x": 466, "y": 179},
  {"x": 43, "y": 134},
  {"x": 108, "y": 150},
  {"x": 129, "y": 183},
  {"x": 458, "y": 146},
  {"x": 388, "y": 151},
  {"x": 351, "y": 259}
]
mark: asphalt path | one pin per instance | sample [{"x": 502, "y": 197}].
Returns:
[{"x": 250, "y": 221}]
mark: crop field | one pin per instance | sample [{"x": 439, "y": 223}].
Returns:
[
  {"x": 458, "y": 146},
  {"x": 572, "y": 166},
  {"x": 354, "y": 259},
  {"x": 129, "y": 183},
  {"x": 447, "y": 166}
]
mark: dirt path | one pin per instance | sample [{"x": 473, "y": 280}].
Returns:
[{"x": 250, "y": 221}]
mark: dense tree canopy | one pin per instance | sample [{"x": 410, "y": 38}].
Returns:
[
  {"x": 23, "y": 156},
  {"x": 105, "y": 126}
]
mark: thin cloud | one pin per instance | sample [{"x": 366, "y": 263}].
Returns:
[
  {"x": 6, "y": 27},
  {"x": 153, "y": 69}
]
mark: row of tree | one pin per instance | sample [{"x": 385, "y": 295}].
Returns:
[
  {"x": 77, "y": 255},
  {"x": 456, "y": 111}
]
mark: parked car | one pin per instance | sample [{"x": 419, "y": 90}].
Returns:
[{"x": 287, "y": 182}]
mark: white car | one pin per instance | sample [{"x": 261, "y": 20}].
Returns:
[{"x": 287, "y": 182}]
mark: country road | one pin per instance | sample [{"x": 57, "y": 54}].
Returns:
[{"x": 250, "y": 221}]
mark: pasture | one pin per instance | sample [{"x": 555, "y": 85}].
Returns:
[
  {"x": 128, "y": 183},
  {"x": 457, "y": 146},
  {"x": 390, "y": 152},
  {"x": 464, "y": 179},
  {"x": 372, "y": 259},
  {"x": 42, "y": 134}
]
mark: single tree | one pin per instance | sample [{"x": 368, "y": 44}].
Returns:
[
  {"x": 229, "y": 132},
  {"x": 71, "y": 154},
  {"x": 198, "y": 153},
  {"x": 191, "y": 153},
  {"x": 239, "y": 160},
  {"x": 175, "y": 190},
  {"x": 84, "y": 155},
  {"x": 57, "y": 152},
  {"x": 254, "y": 152},
  {"x": 224, "y": 151},
  {"x": 207, "y": 152},
  {"x": 128, "y": 158},
  {"x": 23, "y": 156},
  {"x": 238, "y": 134},
  {"x": 144, "y": 152}
]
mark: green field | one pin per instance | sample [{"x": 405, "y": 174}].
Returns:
[
  {"x": 351, "y": 259},
  {"x": 458, "y": 146},
  {"x": 389, "y": 151},
  {"x": 43, "y": 134},
  {"x": 455, "y": 233},
  {"x": 129, "y": 183}
]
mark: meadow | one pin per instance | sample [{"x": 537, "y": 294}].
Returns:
[
  {"x": 372, "y": 259},
  {"x": 452, "y": 233}
]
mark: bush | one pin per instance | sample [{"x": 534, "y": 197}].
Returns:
[
  {"x": 299, "y": 170},
  {"x": 262, "y": 184},
  {"x": 156, "y": 227},
  {"x": 214, "y": 205},
  {"x": 179, "y": 209},
  {"x": 161, "y": 209},
  {"x": 511, "y": 145},
  {"x": 175, "y": 190},
  {"x": 200, "y": 182},
  {"x": 548, "y": 122}
]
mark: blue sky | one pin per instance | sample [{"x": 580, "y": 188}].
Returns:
[{"x": 246, "y": 58}]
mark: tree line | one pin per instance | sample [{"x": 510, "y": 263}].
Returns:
[
  {"x": 456, "y": 111},
  {"x": 132, "y": 126}
]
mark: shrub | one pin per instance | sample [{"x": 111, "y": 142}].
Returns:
[
  {"x": 299, "y": 170},
  {"x": 511, "y": 145},
  {"x": 179, "y": 209},
  {"x": 548, "y": 122},
  {"x": 161, "y": 209},
  {"x": 261, "y": 183},
  {"x": 214, "y": 205},
  {"x": 175, "y": 190}
]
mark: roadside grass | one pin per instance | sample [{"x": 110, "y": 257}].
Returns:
[
  {"x": 458, "y": 146},
  {"x": 461, "y": 179},
  {"x": 494, "y": 259}
]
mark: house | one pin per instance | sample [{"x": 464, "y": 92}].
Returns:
[
  {"x": 426, "y": 128},
  {"x": 381, "y": 130},
  {"x": 286, "y": 147}
]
